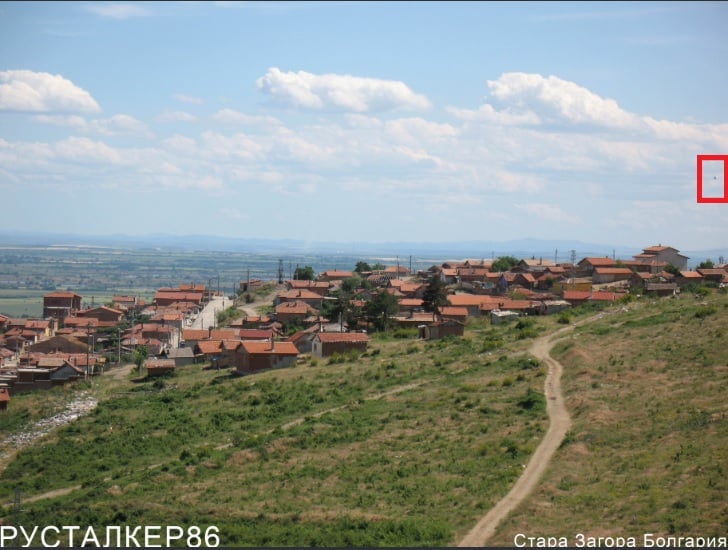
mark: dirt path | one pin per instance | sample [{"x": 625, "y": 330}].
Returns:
[{"x": 559, "y": 424}]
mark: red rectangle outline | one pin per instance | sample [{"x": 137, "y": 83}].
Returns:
[{"x": 700, "y": 197}]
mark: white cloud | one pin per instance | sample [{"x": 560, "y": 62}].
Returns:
[
  {"x": 117, "y": 10},
  {"x": 549, "y": 212},
  {"x": 182, "y": 98},
  {"x": 30, "y": 91},
  {"x": 230, "y": 116},
  {"x": 236, "y": 146},
  {"x": 176, "y": 116},
  {"x": 85, "y": 150},
  {"x": 117, "y": 125},
  {"x": 181, "y": 144},
  {"x": 558, "y": 101},
  {"x": 338, "y": 92}
]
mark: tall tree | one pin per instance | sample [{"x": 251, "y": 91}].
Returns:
[
  {"x": 435, "y": 295},
  {"x": 303, "y": 273},
  {"x": 362, "y": 267},
  {"x": 380, "y": 308},
  {"x": 504, "y": 263}
]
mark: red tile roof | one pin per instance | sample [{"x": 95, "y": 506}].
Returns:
[
  {"x": 454, "y": 311},
  {"x": 209, "y": 347},
  {"x": 464, "y": 300},
  {"x": 691, "y": 275},
  {"x": 269, "y": 348},
  {"x": 599, "y": 262},
  {"x": 295, "y": 308},
  {"x": 195, "y": 334}
]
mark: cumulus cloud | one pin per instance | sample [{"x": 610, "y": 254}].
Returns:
[
  {"x": 117, "y": 10},
  {"x": 30, "y": 91},
  {"x": 176, "y": 116},
  {"x": 117, "y": 125},
  {"x": 182, "y": 98},
  {"x": 230, "y": 116},
  {"x": 549, "y": 212},
  {"x": 558, "y": 100},
  {"x": 338, "y": 92},
  {"x": 85, "y": 150}
]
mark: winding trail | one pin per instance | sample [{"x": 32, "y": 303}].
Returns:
[{"x": 559, "y": 424}]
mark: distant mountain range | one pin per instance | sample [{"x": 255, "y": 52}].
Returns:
[{"x": 520, "y": 248}]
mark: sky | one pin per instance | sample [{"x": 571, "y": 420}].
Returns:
[{"x": 366, "y": 121}]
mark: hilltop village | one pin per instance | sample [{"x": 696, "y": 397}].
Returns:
[{"x": 268, "y": 324}]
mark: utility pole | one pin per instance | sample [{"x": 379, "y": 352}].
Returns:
[
  {"x": 88, "y": 347},
  {"x": 118, "y": 361},
  {"x": 573, "y": 269},
  {"x": 280, "y": 271}
]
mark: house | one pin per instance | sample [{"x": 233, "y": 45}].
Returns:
[
  {"x": 533, "y": 265},
  {"x": 124, "y": 303},
  {"x": 715, "y": 275},
  {"x": 60, "y": 369},
  {"x": 181, "y": 356},
  {"x": 4, "y": 398},
  {"x": 256, "y": 334},
  {"x": 63, "y": 344},
  {"x": 410, "y": 305},
  {"x": 257, "y": 356},
  {"x": 296, "y": 311},
  {"x": 519, "y": 306},
  {"x": 303, "y": 339},
  {"x": 471, "y": 302},
  {"x": 587, "y": 265},
  {"x": 441, "y": 329},
  {"x": 167, "y": 297},
  {"x": 106, "y": 316},
  {"x": 689, "y": 277},
  {"x": 313, "y": 299},
  {"x": 319, "y": 287},
  {"x": 325, "y": 344},
  {"x": 611, "y": 274},
  {"x": 159, "y": 367},
  {"x": 454, "y": 313},
  {"x": 61, "y": 304},
  {"x": 667, "y": 254},
  {"x": 662, "y": 289},
  {"x": 335, "y": 275}
]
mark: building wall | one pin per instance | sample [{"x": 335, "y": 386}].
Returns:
[{"x": 326, "y": 349}]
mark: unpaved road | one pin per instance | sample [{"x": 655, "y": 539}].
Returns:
[{"x": 559, "y": 424}]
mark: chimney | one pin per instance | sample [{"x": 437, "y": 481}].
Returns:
[
  {"x": 272, "y": 343},
  {"x": 209, "y": 332}
]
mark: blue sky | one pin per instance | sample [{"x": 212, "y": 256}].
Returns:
[{"x": 365, "y": 121}]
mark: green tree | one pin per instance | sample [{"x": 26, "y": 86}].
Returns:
[
  {"x": 672, "y": 269},
  {"x": 380, "y": 308},
  {"x": 378, "y": 267},
  {"x": 435, "y": 295},
  {"x": 707, "y": 264},
  {"x": 362, "y": 267},
  {"x": 504, "y": 263},
  {"x": 140, "y": 355},
  {"x": 303, "y": 273}
]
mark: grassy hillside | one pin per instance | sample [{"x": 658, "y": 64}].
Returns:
[
  {"x": 648, "y": 451},
  {"x": 409, "y": 444}
]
